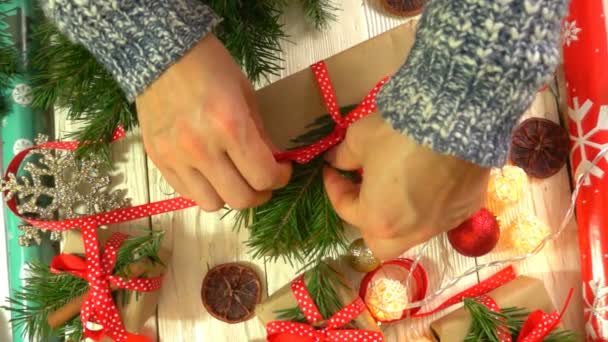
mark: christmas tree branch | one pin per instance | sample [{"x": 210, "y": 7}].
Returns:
[{"x": 299, "y": 223}]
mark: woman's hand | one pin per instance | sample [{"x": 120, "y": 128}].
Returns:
[
  {"x": 201, "y": 128},
  {"x": 408, "y": 194}
]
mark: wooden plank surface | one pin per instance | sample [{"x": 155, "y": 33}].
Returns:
[{"x": 200, "y": 240}]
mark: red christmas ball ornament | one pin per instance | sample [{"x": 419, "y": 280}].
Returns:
[{"x": 476, "y": 236}]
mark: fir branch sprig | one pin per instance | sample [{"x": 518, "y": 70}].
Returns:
[
  {"x": 299, "y": 224},
  {"x": 486, "y": 322},
  {"x": 319, "y": 12},
  {"x": 138, "y": 248},
  {"x": 321, "y": 282},
  {"x": 44, "y": 292}
]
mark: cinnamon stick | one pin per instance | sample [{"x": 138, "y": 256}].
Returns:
[{"x": 60, "y": 316}]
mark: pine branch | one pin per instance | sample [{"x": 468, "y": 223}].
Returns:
[
  {"x": 42, "y": 293},
  {"x": 486, "y": 323},
  {"x": 138, "y": 248},
  {"x": 319, "y": 12},
  {"x": 321, "y": 282}
]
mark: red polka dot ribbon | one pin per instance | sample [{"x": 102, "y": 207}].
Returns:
[
  {"x": 495, "y": 281},
  {"x": 367, "y": 106},
  {"x": 99, "y": 306},
  {"x": 283, "y": 331}
]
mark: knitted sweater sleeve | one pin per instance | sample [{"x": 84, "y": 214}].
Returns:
[
  {"x": 136, "y": 40},
  {"x": 473, "y": 71}
]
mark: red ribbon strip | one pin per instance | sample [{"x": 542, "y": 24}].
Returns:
[
  {"x": 495, "y": 281},
  {"x": 282, "y": 331},
  {"x": 537, "y": 326},
  {"x": 99, "y": 306},
  {"x": 367, "y": 106}
]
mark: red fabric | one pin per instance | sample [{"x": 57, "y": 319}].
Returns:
[
  {"x": 283, "y": 331},
  {"x": 586, "y": 70}
]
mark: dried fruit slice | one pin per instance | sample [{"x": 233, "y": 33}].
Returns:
[
  {"x": 404, "y": 8},
  {"x": 540, "y": 147},
  {"x": 230, "y": 292}
]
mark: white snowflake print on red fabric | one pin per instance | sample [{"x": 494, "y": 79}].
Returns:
[
  {"x": 570, "y": 32},
  {"x": 583, "y": 139},
  {"x": 595, "y": 295}
]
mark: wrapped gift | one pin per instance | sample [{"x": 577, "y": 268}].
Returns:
[
  {"x": 522, "y": 292},
  {"x": 135, "y": 308},
  {"x": 352, "y": 321},
  {"x": 353, "y": 74}
]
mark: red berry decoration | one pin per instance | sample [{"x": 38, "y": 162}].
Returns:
[
  {"x": 476, "y": 236},
  {"x": 540, "y": 147},
  {"x": 404, "y": 8}
]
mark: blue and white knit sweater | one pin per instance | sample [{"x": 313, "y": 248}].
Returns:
[{"x": 473, "y": 70}]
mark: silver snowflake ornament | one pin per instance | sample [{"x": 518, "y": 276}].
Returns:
[{"x": 57, "y": 185}]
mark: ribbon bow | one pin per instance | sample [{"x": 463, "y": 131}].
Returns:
[
  {"x": 282, "y": 331},
  {"x": 537, "y": 326},
  {"x": 99, "y": 306},
  {"x": 368, "y": 105}
]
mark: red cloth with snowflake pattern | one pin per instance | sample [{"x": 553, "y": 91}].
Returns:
[{"x": 586, "y": 68}]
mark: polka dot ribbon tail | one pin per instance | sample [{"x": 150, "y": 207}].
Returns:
[
  {"x": 99, "y": 306},
  {"x": 284, "y": 331},
  {"x": 367, "y": 106}
]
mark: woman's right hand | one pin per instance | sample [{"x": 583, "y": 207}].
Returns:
[{"x": 201, "y": 128}]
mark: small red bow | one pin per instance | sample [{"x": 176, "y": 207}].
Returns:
[
  {"x": 282, "y": 331},
  {"x": 368, "y": 105},
  {"x": 99, "y": 306},
  {"x": 537, "y": 326}
]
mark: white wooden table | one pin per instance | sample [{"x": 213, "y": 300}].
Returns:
[{"x": 200, "y": 240}]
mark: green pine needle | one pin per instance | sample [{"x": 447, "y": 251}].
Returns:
[
  {"x": 486, "y": 322},
  {"x": 319, "y": 12},
  {"x": 321, "y": 282},
  {"x": 45, "y": 292},
  {"x": 299, "y": 224}
]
